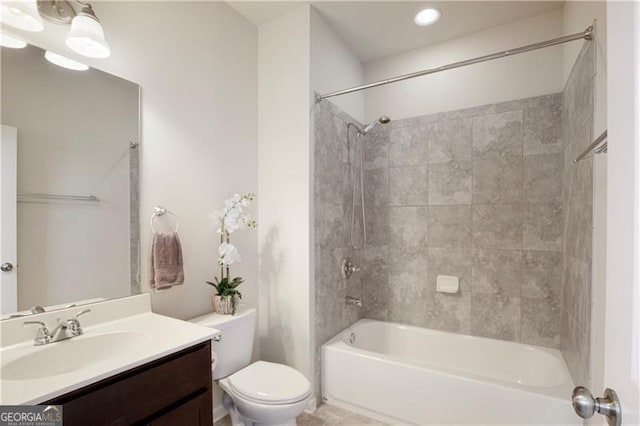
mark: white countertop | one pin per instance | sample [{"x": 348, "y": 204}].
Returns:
[{"x": 163, "y": 336}]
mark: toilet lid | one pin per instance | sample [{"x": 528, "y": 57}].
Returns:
[{"x": 270, "y": 383}]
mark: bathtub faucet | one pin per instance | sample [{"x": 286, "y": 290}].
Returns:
[{"x": 353, "y": 301}]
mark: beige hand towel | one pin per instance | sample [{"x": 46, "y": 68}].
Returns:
[{"x": 166, "y": 261}]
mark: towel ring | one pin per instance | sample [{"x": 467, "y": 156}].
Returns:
[{"x": 161, "y": 211}]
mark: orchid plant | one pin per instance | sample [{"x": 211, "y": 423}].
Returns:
[{"x": 231, "y": 218}]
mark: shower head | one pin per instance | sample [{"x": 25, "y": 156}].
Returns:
[{"x": 382, "y": 120}]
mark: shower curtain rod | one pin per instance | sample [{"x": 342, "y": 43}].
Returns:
[{"x": 584, "y": 35}]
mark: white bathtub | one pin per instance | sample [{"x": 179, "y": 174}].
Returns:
[{"x": 404, "y": 374}]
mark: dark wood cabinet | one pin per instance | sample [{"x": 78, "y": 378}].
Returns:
[
  {"x": 195, "y": 411},
  {"x": 174, "y": 390}
]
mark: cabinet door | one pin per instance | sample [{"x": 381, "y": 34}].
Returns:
[{"x": 195, "y": 412}]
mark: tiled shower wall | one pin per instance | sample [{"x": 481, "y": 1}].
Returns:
[
  {"x": 474, "y": 193},
  {"x": 577, "y": 122},
  {"x": 478, "y": 193},
  {"x": 332, "y": 203}
]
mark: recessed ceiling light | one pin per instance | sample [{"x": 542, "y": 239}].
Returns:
[
  {"x": 427, "y": 17},
  {"x": 11, "y": 42},
  {"x": 64, "y": 62}
]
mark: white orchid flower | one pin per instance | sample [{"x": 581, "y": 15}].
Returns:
[
  {"x": 234, "y": 220},
  {"x": 232, "y": 216},
  {"x": 230, "y": 225},
  {"x": 228, "y": 254},
  {"x": 234, "y": 212},
  {"x": 232, "y": 201}
]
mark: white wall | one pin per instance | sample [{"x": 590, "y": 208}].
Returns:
[
  {"x": 68, "y": 144},
  {"x": 530, "y": 74},
  {"x": 335, "y": 67},
  {"x": 622, "y": 342},
  {"x": 196, "y": 63},
  {"x": 285, "y": 187},
  {"x": 316, "y": 60}
]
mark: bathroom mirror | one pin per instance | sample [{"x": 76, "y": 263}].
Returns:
[{"x": 77, "y": 181}]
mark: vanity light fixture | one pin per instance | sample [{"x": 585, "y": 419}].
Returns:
[
  {"x": 64, "y": 62},
  {"x": 21, "y": 14},
  {"x": 11, "y": 42},
  {"x": 85, "y": 37},
  {"x": 427, "y": 16}
]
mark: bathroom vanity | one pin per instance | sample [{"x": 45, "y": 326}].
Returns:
[
  {"x": 129, "y": 366},
  {"x": 173, "y": 390}
]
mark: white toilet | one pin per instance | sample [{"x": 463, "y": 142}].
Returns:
[{"x": 262, "y": 393}]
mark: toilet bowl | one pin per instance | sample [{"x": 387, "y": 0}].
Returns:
[
  {"x": 255, "y": 394},
  {"x": 265, "y": 393}
]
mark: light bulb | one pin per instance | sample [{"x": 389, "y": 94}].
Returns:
[
  {"x": 86, "y": 37},
  {"x": 11, "y": 42},
  {"x": 21, "y": 14},
  {"x": 64, "y": 62}
]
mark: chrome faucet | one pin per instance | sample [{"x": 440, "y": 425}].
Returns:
[
  {"x": 62, "y": 331},
  {"x": 42, "y": 335},
  {"x": 34, "y": 310}
]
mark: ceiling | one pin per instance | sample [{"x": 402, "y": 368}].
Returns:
[
  {"x": 376, "y": 29},
  {"x": 261, "y": 12}
]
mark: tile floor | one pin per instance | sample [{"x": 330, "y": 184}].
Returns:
[{"x": 325, "y": 415}]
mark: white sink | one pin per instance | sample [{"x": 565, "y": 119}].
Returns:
[
  {"x": 73, "y": 354},
  {"x": 119, "y": 335}
]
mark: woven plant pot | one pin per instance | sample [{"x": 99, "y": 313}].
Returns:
[{"x": 223, "y": 304}]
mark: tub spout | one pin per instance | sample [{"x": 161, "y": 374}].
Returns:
[{"x": 353, "y": 301}]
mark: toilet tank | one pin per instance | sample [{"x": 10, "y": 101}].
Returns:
[{"x": 233, "y": 351}]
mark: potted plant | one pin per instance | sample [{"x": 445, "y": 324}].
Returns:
[
  {"x": 226, "y": 298},
  {"x": 231, "y": 218}
]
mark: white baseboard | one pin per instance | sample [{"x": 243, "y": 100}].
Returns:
[{"x": 219, "y": 413}]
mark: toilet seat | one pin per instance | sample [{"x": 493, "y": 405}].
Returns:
[{"x": 270, "y": 384}]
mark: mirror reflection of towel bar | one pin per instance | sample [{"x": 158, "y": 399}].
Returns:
[{"x": 24, "y": 197}]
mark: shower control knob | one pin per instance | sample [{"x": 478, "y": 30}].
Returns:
[{"x": 348, "y": 268}]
